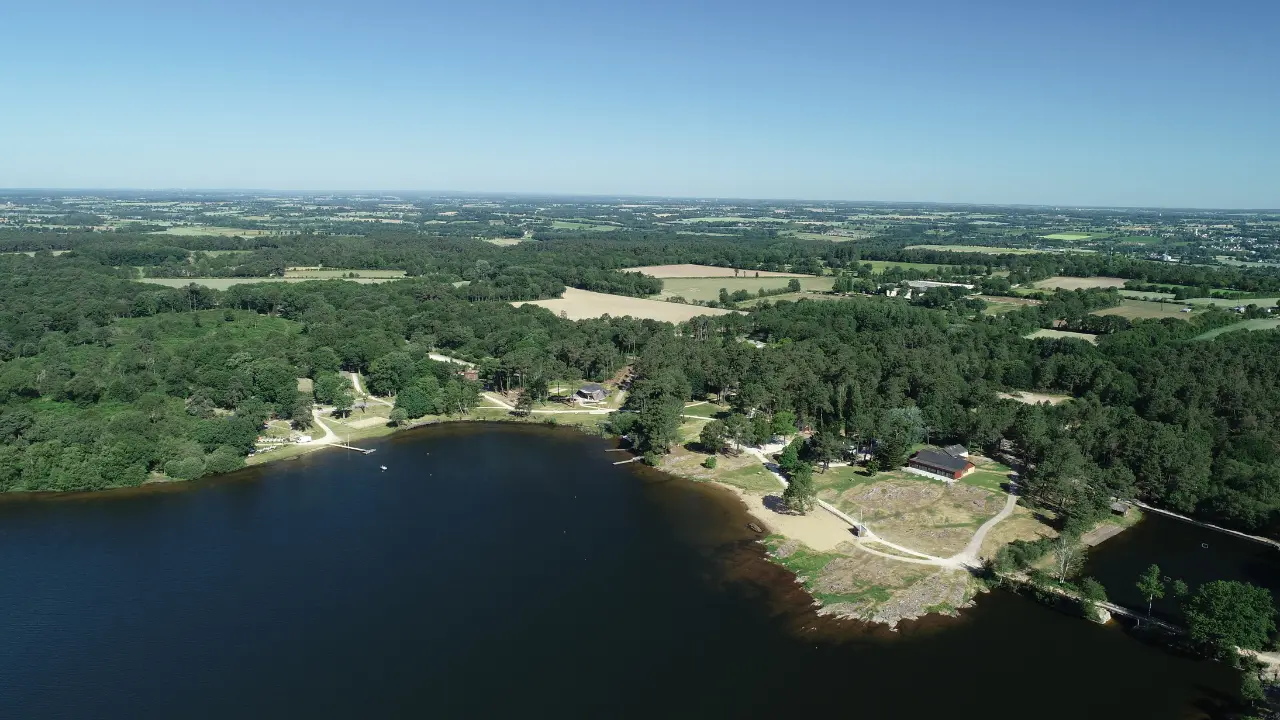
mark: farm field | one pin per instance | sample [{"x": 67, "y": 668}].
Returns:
[
  {"x": 703, "y": 271},
  {"x": 975, "y": 249},
  {"x": 575, "y": 225},
  {"x": 1079, "y": 283},
  {"x": 1091, "y": 339},
  {"x": 1067, "y": 236},
  {"x": 337, "y": 274},
  {"x": 1260, "y": 302},
  {"x": 582, "y": 304},
  {"x": 224, "y": 283},
  {"x": 1145, "y": 310},
  {"x": 1144, "y": 295},
  {"x": 1137, "y": 239},
  {"x": 1270, "y": 323},
  {"x": 709, "y": 288},
  {"x": 730, "y": 219},
  {"x": 191, "y": 230}
]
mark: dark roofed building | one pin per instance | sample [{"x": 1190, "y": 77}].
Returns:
[
  {"x": 959, "y": 451},
  {"x": 593, "y": 392},
  {"x": 940, "y": 464}
]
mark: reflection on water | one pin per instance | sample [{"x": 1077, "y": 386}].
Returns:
[{"x": 500, "y": 571}]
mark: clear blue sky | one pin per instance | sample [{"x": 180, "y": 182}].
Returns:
[{"x": 1128, "y": 102}]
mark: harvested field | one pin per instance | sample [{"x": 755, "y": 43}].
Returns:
[
  {"x": 1080, "y": 283},
  {"x": 1068, "y": 236},
  {"x": 578, "y": 304},
  {"x": 709, "y": 288},
  {"x": 703, "y": 271},
  {"x": 1146, "y": 310},
  {"x": 1091, "y": 339}
]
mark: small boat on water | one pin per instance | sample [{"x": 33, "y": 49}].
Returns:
[
  {"x": 384, "y": 467},
  {"x": 755, "y": 528}
]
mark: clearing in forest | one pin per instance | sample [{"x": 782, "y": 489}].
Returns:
[
  {"x": 340, "y": 274},
  {"x": 197, "y": 230},
  {"x": 578, "y": 304},
  {"x": 1080, "y": 283},
  {"x": 703, "y": 271},
  {"x": 1045, "y": 333},
  {"x": 709, "y": 288},
  {"x": 1034, "y": 398}
]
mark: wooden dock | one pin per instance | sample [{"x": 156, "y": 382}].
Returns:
[{"x": 366, "y": 451}]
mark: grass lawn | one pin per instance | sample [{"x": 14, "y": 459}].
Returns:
[
  {"x": 882, "y": 265},
  {"x": 1145, "y": 310},
  {"x": 1091, "y": 339},
  {"x": 706, "y": 410},
  {"x": 709, "y": 288},
  {"x": 1270, "y": 323},
  {"x": 840, "y": 479},
  {"x": 751, "y": 477}
]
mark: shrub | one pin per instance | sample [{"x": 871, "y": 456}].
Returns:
[{"x": 709, "y": 463}]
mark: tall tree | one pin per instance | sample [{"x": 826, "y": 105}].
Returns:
[
  {"x": 800, "y": 494},
  {"x": 1224, "y": 615}
]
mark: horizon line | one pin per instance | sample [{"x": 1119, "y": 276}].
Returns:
[{"x": 630, "y": 196}]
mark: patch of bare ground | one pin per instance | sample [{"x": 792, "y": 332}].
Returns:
[
  {"x": 687, "y": 463},
  {"x": 873, "y": 589},
  {"x": 702, "y": 271},
  {"x": 927, "y": 516}
]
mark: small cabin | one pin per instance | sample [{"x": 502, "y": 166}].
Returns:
[{"x": 1120, "y": 508}]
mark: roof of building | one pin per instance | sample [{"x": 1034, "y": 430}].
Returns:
[
  {"x": 592, "y": 387},
  {"x": 940, "y": 460},
  {"x": 1120, "y": 507},
  {"x": 956, "y": 450}
]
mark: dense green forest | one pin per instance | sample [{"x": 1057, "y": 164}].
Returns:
[{"x": 105, "y": 381}]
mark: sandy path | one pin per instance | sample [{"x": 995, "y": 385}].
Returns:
[
  {"x": 355, "y": 382},
  {"x": 969, "y": 556},
  {"x": 329, "y": 437}
]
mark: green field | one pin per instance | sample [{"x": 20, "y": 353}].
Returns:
[
  {"x": 986, "y": 249},
  {"x": 1137, "y": 239},
  {"x": 1069, "y": 236},
  {"x": 1145, "y": 310},
  {"x": 1144, "y": 295},
  {"x": 210, "y": 230},
  {"x": 709, "y": 288},
  {"x": 1270, "y": 323},
  {"x": 882, "y": 265},
  {"x": 1091, "y": 339},
  {"x": 731, "y": 219},
  {"x": 576, "y": 225},
  {"x": 224, "y": 283},
  {"x": 1232, "y": 302}
]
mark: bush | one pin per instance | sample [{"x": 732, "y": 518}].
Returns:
[
  {"x": 709, "y": 463},
  {"x": 652, "y": 459}
]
